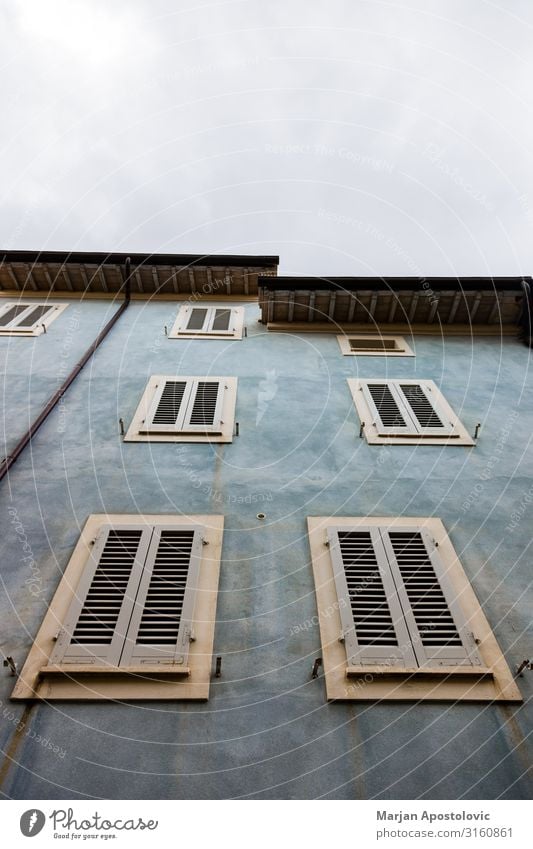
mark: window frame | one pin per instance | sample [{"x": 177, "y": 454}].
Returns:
[
  {"x": 139, "y": 431},
  {"x": 179, "y": 329},
  {"x": 453, "y": 433},
  {"x": 38, "y": 327},
  {"x": 143, "y": 680},
  {"x": 403, "y": 348},
  {"x": 490, "y": 681}
]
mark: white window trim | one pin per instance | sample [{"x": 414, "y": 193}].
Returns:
[
  {"x": 410, "y": 436},
  {"x": 135, "y": 432},
  {"x": 403, "y": 349},
  {"x": 493, "y": 681},
  {"x": 39, "y": 326},
  {"x": 37, "y": 681},
  {"x": 236, "y": 325}
]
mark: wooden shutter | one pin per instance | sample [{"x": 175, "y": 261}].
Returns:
[
  {"x": 373, "y": 624},
  {"x": 204, "y": 411},
  {"x": 168, "y": 408},
  {"x": 35, "y": 316},
  {"x": 197, "y": 320},
  {"x": 222, "y": 321},
  {"x": 97, "y": 621},
  {"x": 388, "y": 409},
  {"x": 433, "y": 613},
  {"x": 161, "y": 625},
  {"x": 11, "y": 314},
  {"x": 424, "y": 409}
]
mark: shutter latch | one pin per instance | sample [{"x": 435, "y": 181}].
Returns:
[{"x": 8, "y": 661}]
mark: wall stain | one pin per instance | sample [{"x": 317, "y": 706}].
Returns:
[
  {"x": 512, "y": 731},
  {"x": 15, "y": 743}
]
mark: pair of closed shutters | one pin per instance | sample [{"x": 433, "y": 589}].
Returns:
[
  {"x": 191, "y": 405},
  {"x": 406, "y": 408},
  {"x": 135, "y": 602},
  {"x": 205, "y": 320},
  {"x": 396, "y": 604},
  {"x": 24, "y": 317}
]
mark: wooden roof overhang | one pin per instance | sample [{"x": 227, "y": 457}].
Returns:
[
  {"x": 394, "y": 302},
  {"x": 34, "y": 273}
]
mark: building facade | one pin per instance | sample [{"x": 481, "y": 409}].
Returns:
[{"x": 348, "y": 464}]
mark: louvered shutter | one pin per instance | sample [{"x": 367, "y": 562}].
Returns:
[
  {"x": 197, "y": 320},
  {"x": 35, "y": 316},
  {"x": 373, "y": 624},
  {"x": 168, "y": 408},
  {"x": 388, "y": 409},
  {"x": 97, "y": 621},
  {"x": 424, "y": 409},
  {"x": 433, "y": 613},
  {"x": 11, "y": 314},
  {"x": 161, "y": 625},
  {"x": 204, "y": 411},
  {"x": 221, "y": 321}
]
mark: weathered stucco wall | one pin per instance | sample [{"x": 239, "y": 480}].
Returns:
[{"x": 267, "y": 730}]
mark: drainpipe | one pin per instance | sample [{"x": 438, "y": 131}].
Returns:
[
  {"x": 8, "y": 461},
  {"x": 525, "y": 320}
]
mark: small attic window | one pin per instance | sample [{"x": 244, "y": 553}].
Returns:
[{"x": 375, "y": 345}]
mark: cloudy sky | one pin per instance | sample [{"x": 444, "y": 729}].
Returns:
[{"x": 357, "y": 137}]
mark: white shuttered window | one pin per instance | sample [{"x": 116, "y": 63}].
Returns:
[
  {"x": 406, "y": 411},
  {"x": 396, "y": 603},
  {"x": 405, "y": 407},
  {"x": 190, "y": 405},
  {"x": 135, "y": 601},
  {"x": 204, "y": 321},
  {"x": 26, "y": 319}
]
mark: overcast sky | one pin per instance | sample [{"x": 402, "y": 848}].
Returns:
[{"x": 349, "y": 137}]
